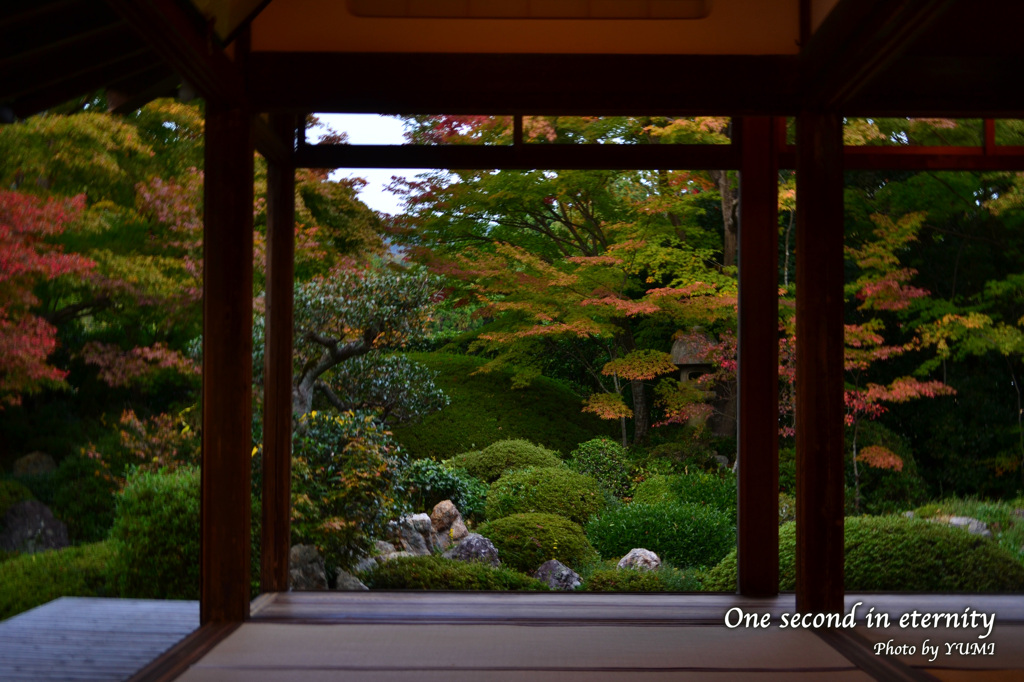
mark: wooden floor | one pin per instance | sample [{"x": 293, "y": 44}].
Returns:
[
  {"x": 456, "y": 637},
  {"x": 417, "y": 636},
  {"x": 86, "y": 639}
]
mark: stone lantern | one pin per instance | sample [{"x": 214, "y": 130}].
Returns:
[{"x": 689, "y": 354}]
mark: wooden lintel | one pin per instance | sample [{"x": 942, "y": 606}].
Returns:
[
  {"x": 277, "y": 396},
  {"x": 515, "y": 83},
  {"x": 526, "y": 156},
  {"x": 275, "y": 144},
  {"x": 990, "y": 158},
  {"x": 227, "y": 365},
  {"x": 758, "y": 404},
  {"x": 819, "y": 363}
]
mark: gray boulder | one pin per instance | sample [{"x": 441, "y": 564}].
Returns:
[
  {"x": 34, "y": 464},
  {"x": 971, "y": 525},
  {"x": 447, "y": 523},
  {"x": 306, "y": 569},
  {"x": 30, "y": 526},
  {"x": 348, "y": 582},
  {"x": 557, "y": 576},
  {"x": 640, "y": 559},
  {"x": 413, "y": 534},
  {"x": 475, "y": 547}
]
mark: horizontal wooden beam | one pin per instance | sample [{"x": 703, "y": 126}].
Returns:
[
  {"x": 923, "y": 158},
  {"x": 527, "y": 156},
  {"x": 549, "y": 84}
]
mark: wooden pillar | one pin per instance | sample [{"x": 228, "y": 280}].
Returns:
[
  {"x": 227, "y": 365},
  {"x": 277, "y": 396},
  {"x": 758, "y": 377},
  {"x": 819, "y": 363}
]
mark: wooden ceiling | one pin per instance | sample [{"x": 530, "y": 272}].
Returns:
[{"x": 867, "y": 57}]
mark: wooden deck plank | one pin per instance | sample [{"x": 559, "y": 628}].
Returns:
[{"x": 91, "y": 639}]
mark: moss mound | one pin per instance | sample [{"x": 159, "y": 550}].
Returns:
[
  {"x": 28, "y": 580},
  {"x": 483, "y": 408},
  {"x": 437, "y": 573},
  {"x": 525, "y": 541},
  {"x": 664, "y": 579},
  {"x": 892, "y": 553},
  {"x": 551, "y": 490},
  {"x": 494, "y": 460},
  {"x": 684, "y": 534}
]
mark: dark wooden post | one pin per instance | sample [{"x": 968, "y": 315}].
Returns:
[
  {"x": 227, "y": 365},
  {"x": 819, "y": 363},
  {"x": 758, "y": 377},
  {"x": 277, "y": 396}
]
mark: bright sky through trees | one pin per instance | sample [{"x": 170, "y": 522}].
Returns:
[{"x": 371, "y": 129}]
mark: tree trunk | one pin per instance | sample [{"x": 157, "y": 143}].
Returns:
[
  {"x": 641, "y": 411},
  {"x": 730, "y": 217}
]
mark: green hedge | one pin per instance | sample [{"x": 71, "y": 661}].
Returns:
[
  {"x": 156, "y": 536},
  {"x": 494, "y": 460},
  {"x": 683, "y": 534},
  {"x": 663, "y": 579},
  {"x": 714, "y": 489},
  {"x": 437, "y": 573},
  {"x": 525, "y": 541},
  {"x": 28, "y": 580},
  {"x": 892, "y": 553},
  {"x": 551, "y": 490},
  {"x": 485, "y": 408}
]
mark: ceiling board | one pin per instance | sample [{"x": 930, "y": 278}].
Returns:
[{"x": 738, "y": 27}]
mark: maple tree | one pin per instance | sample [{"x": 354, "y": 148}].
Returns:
[
  {"x": 27, "y": 337},
  {"x": 598, "y": 266}
]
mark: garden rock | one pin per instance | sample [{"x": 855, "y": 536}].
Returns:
[
  {"x": 306, "y": 569},
  {"x": 449, "y": 528},
  {"x": 413, "y": 534},
  {"x": 348, "y": 582},
  {"x": 640, "y": 559},
  {"x": 367, "y": 563},
  {"x": 475, "y": 547},
  {"x": 394, "y": 555},
  {"x": 34, "y": 464},
  {"x": 557, "y": 576},
  {"x": 971, "y": 525},
  {"x": 30, "y": 527}
]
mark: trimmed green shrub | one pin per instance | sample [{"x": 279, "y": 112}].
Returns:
[
  {"x": 663, "y": 579},
  {"x": 892, "y": 553},
  {"x": 156, "y": 535},
  {"x": 683, "y": 534},
  {"x": 606, "y": 461},
  {"x": 483, "y": 408},
  {"x": 28, "y": 580},
  {"x": 427, "y": 482},
  {"x": 717, "y": 490},
  {"x": 550, "y": 490},
  {"x": 525, "y": 541},
  {"x": 11, "y": 493},
  {"x": 437, "y": 573},
  {"x": 494, "y": 460},
  {"x": 84, "y": 498},
  {"x": 345, "y": 484},
  {"x": 654, "y": 490}
]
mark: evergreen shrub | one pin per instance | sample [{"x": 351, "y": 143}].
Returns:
[
  {"x": 84, "y": 498},
  {"x": 654, "y": 490},
  {"x": 714, "y": 489},
  {"x": 29, "y": 580},
  {"x": 490, "y": 463},
  {"x": 525, "y": 541},
  {"x": 606, "y": 461},
  {"x": 663, "y": 579},
  {"x": 427, "y": 482},
  {"x": 551, "y": 490},
  {"x": 683, "y": 534},
  {"x": 11, "y": 493},
  {"x": 893, "y": 553},
  {"x": 156, "y": 535},
  {"x": 437, "y": 573}
]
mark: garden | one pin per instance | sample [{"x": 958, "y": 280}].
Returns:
[{"x": 524, "y": 367}]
